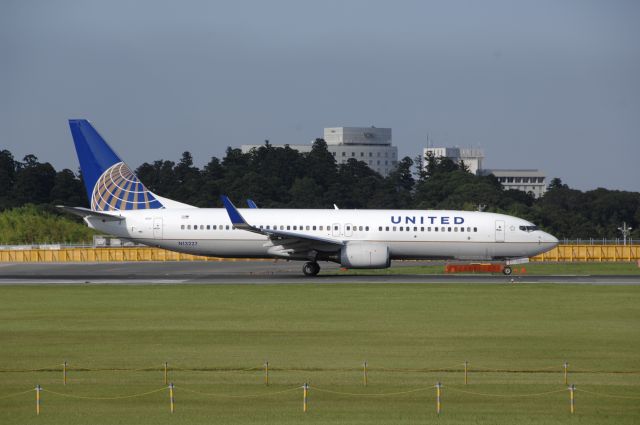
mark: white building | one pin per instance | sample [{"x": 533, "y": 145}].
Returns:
[
  {"x": 472, "y": 157},
  {"x": 533, "y": 181},
  {"x": 370, "y": 145}
]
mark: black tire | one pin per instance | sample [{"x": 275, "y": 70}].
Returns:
[
  {"x": 311, "y": 269},
  {"x": 507, "y": 271}
]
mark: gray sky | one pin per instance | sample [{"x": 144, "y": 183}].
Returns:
[{"x": 542, "y": 84}]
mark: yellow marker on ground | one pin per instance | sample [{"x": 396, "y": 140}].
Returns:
[
  {"x": 171, "y": 399},
  {"x": 365, "y": 372},
  {"x": 438, "y": 393},
  {"x": 305, "y": 394},
  {"x": 572, "y": 390},
  {"x": 38, "y": 389}
]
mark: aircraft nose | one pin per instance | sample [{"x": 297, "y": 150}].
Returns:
[{"x": 550, "y": 239}]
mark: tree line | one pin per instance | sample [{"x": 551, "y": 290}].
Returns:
[{"x": 285, "y": 178}]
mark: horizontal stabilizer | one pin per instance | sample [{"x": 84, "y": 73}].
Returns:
[{"x": 86, "y": 212}]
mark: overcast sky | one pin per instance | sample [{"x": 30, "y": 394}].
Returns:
[{"x": 553, "y": 85}]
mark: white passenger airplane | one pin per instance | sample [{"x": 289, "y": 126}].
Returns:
[{"x": 357, "y": 239}]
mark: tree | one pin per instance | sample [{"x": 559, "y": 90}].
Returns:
[
  {"x": 34, "y": 181},
  {"x": 8, "y": 167}
]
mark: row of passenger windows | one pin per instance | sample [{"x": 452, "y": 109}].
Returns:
[{"x": 346, "y": 227}]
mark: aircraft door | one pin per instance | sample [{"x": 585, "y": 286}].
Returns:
[
  {"x": 348, "y": 229},
  {"x": 157, "y": 228},
  {"x": 335, "y": 229},
  {"x": 499, "y": 230}
]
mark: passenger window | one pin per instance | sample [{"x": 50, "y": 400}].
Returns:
[
  {"x": 455, "y": 229},
  {"x": 386, "y": 228},
  {"x": 429, "y": 229},
  {"x": 435, "y": 229},
  {"x": 295, "y": 227},
  {"x": 348, "y": 227},
  {"x": 366, "y": 228},
  {"x": 202, "y": 227},
  {"x": 448, "y": 229},
  {"x": 335, "y": 227},
  {"x": 475, "y": 229},
  {"x": 307, "y": 227},
  {"x": 281, "y": 227},
  {"x": 394, "y": 228},
  {"x": 468, "y": 229},
  {"x": 321, "y": 227},
  {"x": 422, "y": 229},
  {"x": 415, "y": 229},
  {"x": 288, "y": 227},
  {"x": 227, "y": 227},
  {"x": 401, "y": 228},
  {"x": 462, "y": 229},
  {"x": 182, "y": 227},
  {"x": 314, "y": 227}
]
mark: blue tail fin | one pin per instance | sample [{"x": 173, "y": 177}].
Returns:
[{"x": 110, "y": 183}]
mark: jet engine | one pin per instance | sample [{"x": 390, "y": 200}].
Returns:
[{"x": 365, "y": 256}]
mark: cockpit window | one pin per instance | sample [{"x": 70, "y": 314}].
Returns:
[{"x": 529, "y": 228}]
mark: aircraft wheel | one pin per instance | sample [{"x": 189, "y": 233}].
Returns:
[
  {"x": 507, "y": 271},
  {"x": 311, "y": 268}
]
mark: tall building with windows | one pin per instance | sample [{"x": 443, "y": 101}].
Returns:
[
  {"x": 371, "y": 145},
  {"x": 530, "y": 181},
  {"x": 472, "y": 157}
]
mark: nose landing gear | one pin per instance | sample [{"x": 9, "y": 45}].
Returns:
[{"x": 311, "y": 268}]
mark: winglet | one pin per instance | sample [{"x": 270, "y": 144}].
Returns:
[
  {"x": 234, "y": 215},
  {"x": 251, "y": 204}
]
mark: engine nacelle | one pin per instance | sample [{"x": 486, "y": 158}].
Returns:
[{"x": 365, "y": 256}]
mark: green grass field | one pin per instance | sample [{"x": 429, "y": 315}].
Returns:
[{"x": 219, "y": 336}]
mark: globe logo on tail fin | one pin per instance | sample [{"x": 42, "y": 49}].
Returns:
[{"x": 119, "y": 189}]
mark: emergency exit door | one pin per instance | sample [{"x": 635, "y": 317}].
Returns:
[{"x": 157, "y": 228}]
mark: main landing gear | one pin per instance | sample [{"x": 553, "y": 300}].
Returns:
[
  {"x": 507, "y": 271},
  {"x": 311, "y": 268}
]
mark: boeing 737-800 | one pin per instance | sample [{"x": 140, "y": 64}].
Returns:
[{"x": 357, "y": 239}]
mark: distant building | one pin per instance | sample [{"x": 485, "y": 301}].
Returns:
[
  {"x": 472, "y": 157},
  {"x": 533, "y": 181},
  {"x": 370, "y": 145}
]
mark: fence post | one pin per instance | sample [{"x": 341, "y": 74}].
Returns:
[
  {"x": 166, "y": 374},
  {"x": 566, "y": 373},
  {"x": 438, "y": 393},
  {"x": 466, "y": 371},
  {"x": 572, "y": 390},
  {"x": 64, "y": 373},
  {"x": 172, "y": 400},
  {"x": 364, "y": 370},
  {"x": 38, "y": 389},
  {"x": 266, "y": 373},
  {"x": 305, "y": 394}
]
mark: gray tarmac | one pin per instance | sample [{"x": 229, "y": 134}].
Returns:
[{"x": 253, "y": 272}]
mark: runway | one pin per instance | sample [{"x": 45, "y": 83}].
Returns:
[{"x": 256, "y": 272}]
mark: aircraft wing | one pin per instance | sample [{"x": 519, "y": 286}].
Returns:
[
  {"x": 284, "y": 238},
  {"x": 86, "y": 212}
]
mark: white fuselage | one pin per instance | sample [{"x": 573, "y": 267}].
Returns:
[{"x": 408, "y": 234}]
